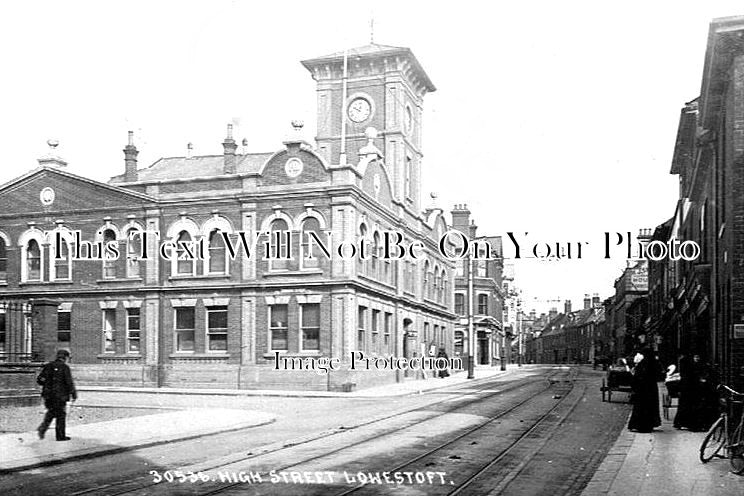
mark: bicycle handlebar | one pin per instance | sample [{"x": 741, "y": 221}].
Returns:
[{"x": 725, "y": 388}]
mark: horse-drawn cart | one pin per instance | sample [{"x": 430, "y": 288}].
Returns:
[{"x": 619, "y": 381}]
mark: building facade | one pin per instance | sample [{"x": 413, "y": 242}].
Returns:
[
  {"x": 203, "y": 312},
  {"x": 698, "y": 305},
  {"x": 492, "y": 345}
]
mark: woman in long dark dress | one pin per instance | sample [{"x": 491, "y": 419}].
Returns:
[{"x": 645, "y": 395}]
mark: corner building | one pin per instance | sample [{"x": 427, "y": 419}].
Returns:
[{"x": 218, "y": 322}]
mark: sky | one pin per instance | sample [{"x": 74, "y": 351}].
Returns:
[{"x": 555, "y": 119}]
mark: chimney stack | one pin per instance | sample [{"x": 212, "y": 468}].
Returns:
[
  {"x": 553, "y": 313},
  {"x": 472, "y": 229},
  {"x": 567, "y": 307},
  {"x": 230, "y": 146},
  {"x": 595, "y": 300},
  {"x": 587, "y": 302},
  {"x": 461, "y": 218},
  {"x": 130, "y": 159}
]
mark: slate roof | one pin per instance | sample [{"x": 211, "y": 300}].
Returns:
[{"x": 200, "y": 166}]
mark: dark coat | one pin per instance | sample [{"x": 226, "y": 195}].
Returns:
[
  {"x": 56, "y": 381},
  {"x": 645, "y": 397}
]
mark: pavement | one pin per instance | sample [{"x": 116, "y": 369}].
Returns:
[
  {"x": 20, "y": 451},
  {"x": 664, "y": 462}
]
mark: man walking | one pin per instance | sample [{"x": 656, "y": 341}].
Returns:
[{"x": 57, "y": 388}]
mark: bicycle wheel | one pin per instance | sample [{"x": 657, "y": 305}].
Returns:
[
  {"x": 713, "y": 442},
  {"x": 736, "y": 451}
]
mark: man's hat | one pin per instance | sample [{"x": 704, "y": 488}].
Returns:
[{"x": 63, "y": 354}]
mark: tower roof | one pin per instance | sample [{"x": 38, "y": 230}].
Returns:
[{"x": 373, "y": 50}]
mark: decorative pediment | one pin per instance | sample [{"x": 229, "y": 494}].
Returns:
[{"x": 46, "y": 190}]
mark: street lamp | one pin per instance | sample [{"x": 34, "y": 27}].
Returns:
[{"x": 471, "y": 331}]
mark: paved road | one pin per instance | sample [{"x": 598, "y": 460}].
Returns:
[{"x": 554, "y": 436}]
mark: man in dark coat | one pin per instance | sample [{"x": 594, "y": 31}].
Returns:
[{"x": 57, "y": 389}]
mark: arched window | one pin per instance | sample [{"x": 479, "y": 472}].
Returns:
[
  {"x": 279, "y": 248},
  {"x": 361, "y": 263},
  {"x": 217, "y": 253},
  {"x": 425, "y": 286},
  {"x": 445, "y": 286},
  {"x": 437, "y": 293},
  {"x": 109, "y": 265},
  {"x": 375, "y": 255},
  {"x": 185, "y": 263},
  {"x": 3, "y": 261},
  {"x": 482, "y": 304},
  {"x": 33, "y": 261},
  {"x": 310, "y": 252},
  {"x": 62, "y": 260},
  {"x": 134, "y": 246}
]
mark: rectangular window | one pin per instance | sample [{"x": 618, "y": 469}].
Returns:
[
  {"x": 109, "y": 330},
  {"x": 388, "y": 327},
  {"x": 482, "y": 269},
  {"x": 310, "y": 326},
  {"x": 217, "y": 328},
  {"x": 133, "y": 330},
  {"x": 361, "y": 322},
  {"x": 278, "y": 327},
  {"x": 3, "y": 334},
  {"x": 375, "y": 329},
  {"x": 482, "y": 304},
  {"x": 63, "y": 328},
  {"x": 427, "y": 338},
  {"x": 459, "y": 304},
  {"x": 184, "y": 328}
]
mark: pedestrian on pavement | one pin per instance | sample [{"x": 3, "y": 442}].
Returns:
[
  {"x": 57, "y": 389},
  {"x": 443, "y": 354},
  {"x": 645, "y": 395},
  {"x": 697, "y": 398}
]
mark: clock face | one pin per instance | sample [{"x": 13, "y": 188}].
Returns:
[{"x": 359, "y": 110}]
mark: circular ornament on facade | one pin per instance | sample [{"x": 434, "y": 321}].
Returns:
[
  {"x": 293, "y": 167},
  {"x": 47, "y": 196}
]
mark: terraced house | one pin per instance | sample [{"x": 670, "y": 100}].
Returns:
[{"x": 216, "y": 320}]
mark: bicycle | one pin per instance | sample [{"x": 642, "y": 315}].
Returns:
[{"x": 720, "y": 436}]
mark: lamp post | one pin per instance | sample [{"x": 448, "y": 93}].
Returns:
[{"x": 471, "y": 330}]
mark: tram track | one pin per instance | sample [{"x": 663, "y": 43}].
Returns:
[
  {"x": 471, "y": 395},
  {"x": 303, "y": 465}
]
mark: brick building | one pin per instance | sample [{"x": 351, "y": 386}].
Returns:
[
  {"x": 492, "y": 346},
  {"x": 216, "y": 321},
  {"x": 700, "y": 305}
]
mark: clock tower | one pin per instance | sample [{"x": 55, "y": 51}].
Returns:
[{"x": 375, "y": 86}]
